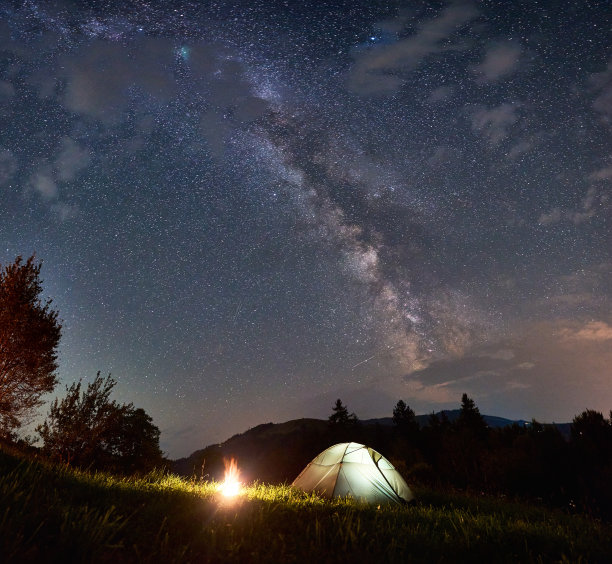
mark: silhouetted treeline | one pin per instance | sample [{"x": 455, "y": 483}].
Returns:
[{"x": 532, "y": 461}]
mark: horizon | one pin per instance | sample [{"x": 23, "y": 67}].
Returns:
[
  {"x": 368, "y": 421},
  {"x": 246, "y": 210}
]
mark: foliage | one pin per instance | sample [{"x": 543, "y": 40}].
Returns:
[
  {"x": 531, "y": 461},
  {"x": 29, "y": 336},
  {"x": 404, "y": 418},
  {"x": 341, "y": 416},
  {"x": 60, "y": 514},
  {"x": 470, "y": 418},
  {"x": 87, "y": 428}
]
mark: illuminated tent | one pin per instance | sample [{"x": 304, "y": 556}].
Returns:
[{"x": 351, "y": 469}]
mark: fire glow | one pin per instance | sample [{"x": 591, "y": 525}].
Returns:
[{"x": 231, "y": 485}]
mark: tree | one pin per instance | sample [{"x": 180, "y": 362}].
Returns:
[
  {"x": 139, "y": 442},
  {"x": 88, "y": 429},
  {"x": 470, "y": 419},
  {"x": 404, "y": 418},
  {"x": 341, "y": 416},
  {"x": 590, "y": 424},
  {"x": 591, "y": 434},
  {"x": 29, "y": 336}
]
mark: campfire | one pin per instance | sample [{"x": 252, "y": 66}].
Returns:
[{"x": 231, "y": 485}]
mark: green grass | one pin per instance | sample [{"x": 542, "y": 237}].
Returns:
[{"x": 58, "y": 514}]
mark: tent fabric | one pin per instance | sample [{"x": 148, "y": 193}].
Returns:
[{"x": 353, "y": 469}]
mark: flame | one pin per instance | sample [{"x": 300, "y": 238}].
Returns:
[{"x": 231, "y": 485}]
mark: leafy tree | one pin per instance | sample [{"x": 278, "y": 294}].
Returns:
[
  {"x": 341, "y": 416},
  {"x": 139, "y": 442},
  {"x": 404, "y": 418},
  {"x": 88, "y": 429},
  {"x": 29, "y": 336},
  {"x": 591, "y": 434},
  {"x": 590, "y": 424}
]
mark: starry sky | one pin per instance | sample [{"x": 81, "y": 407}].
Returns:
[{"x": 246, "y": 209}]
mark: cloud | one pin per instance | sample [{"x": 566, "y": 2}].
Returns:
[
  {"x": 520, "y": 148},
  {"x": 71, "y": 159},
  {"x": 8, "y": 166},
  {"x": 501, "y": 354},
  {"x": 553, "y": 216},
  {"x": 601, "y": 84},
  {"x": 440, "y": 94},
  {"x": 568, "y": 363},
  {"x": 591, "y": 331},
  {"x": 594, "y": 201},
  {"x": 604, "y": 173},
  {"x": 379, "y": 70},
  {"x": 493, "y": 123},
  {"x": 501, "y": 60},
  {"x": 7, "y": 91},
  {"x": 99, "y": 77},
  {"x": 44, "y": 184},
  {"x": 585, "y": 291},
  {"x": 63, "y": 211},
  {"x": 444, "y": 156}
]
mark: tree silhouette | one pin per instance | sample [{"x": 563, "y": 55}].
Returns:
[
  {"x": 341, "y": 416},
  {"x": 404, "y": 418},
  {"x": 470, "y": 419},
  {"x": 29, "y": 336},
  {"x": 591, "y": 434},
  {"x": 88, "y": 429}
]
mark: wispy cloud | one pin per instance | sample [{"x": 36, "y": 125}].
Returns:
[
  {"x": 494, "y": 123},
  {"x": 501, "y": 60},
  {"x": 71, "y": 159},
  {"x": 591, "y": 331},
  {"x": 7, "y": 91},
  {"x": 595, "y": 202},
  {"x": 604, "y": 173},
  {"x": 44, "y": 184},
  {"x": 99, "y": 77},
  {"x": 588, "y": 209},
  {"x": 601, "y": 84},
  {"x": 8, "y": 166},
  {"x": 380, "y": 69},
  {"x": 570, "y": 363},
  {"x": 441, "y": 94}
]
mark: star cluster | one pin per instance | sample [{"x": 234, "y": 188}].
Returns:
[{"x": 248, "y": 209}]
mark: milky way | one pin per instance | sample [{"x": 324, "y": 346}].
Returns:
[{"x": 246, "y": 209}]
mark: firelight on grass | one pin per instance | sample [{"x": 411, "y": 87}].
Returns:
[{"x": 231, "y": 485}]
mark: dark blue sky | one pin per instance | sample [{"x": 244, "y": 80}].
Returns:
[{"x": 248, "y": 209}]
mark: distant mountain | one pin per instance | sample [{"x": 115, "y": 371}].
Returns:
[
  {"x": 277, "y": 452},
  {"x": 271, "y": 452},
  {"x": 452, "y": 414}
]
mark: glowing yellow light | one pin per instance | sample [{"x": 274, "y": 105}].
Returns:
[{"x": 231, "y": 485}]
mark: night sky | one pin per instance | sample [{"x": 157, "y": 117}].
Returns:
[{"x": 246, "y": 210}]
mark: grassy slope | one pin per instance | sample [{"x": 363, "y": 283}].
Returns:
[{"x": 56, "y": 514}]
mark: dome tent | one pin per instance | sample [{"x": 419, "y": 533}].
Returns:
[{"x": 352, "y": 469}]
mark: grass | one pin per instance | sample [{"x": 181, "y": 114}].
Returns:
[{"x": 58, "y": 514}]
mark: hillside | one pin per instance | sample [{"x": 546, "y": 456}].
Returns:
[
  {"x": 55, "y": 514},
  {"x": 271, "y": 452},
  {"x": 277, "y": 452}
]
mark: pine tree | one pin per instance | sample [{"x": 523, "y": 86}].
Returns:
[
  {"x": 470, "y": 419},
  {"x": 404, "y": 418},
  {"x": 341, "y": 416}
]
